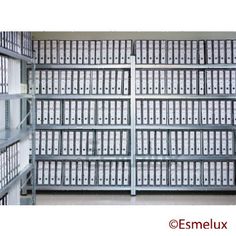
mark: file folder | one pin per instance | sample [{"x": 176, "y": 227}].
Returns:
[
  {"x": 182, "y": 51},
  {"x": 119, "y": 82},
  {"x": 152, "y": 143},
  {"x": 228, "y": 112},
  {"x": 156, "y": 52},
  {"x": 56, "y": 143},
  {"x": 211, "y": 142},
  {"x": 169, "y": 82},
  {"x": 58, "y": 173},
  {"x": 77, "y": 143},
  {"x": 230, "y": 143},
  {"x": 98, "y": 52},
  {"x": 99, "y": 143},
  {"x": 73, "y": 173},
  {"x": 163, "y": 52},
  {"x": 79, "y": 112},
  {"x": 67, "y": 173},
  {"x": 186, "y": 176},
  {"x": 158, "y": 143},
  {"x": 177, "y": 112},
  {"x": 183, "y": 112},
  {"x": 118, "y": 112},
  {"x": 222, "y": 112},
  {"x": 170, "y": 51},
  {"x": 190, "y": 112},
  {"x": 67, "y": 52},
  {"x": 216, "y": 112},
  {"x": 36, "y": 51},
  {"x": 107, "y": 173},
  {"x": 179, "y": 143},
  {"x": 139, "y": 143},
  {"x": 68, "y": 82},
  {"x": 173, "y": 142},
  {"x": 195, "y": 113},
  {"x": 116, "y": 51},
  {"x": 194, "y": 82},
  {"x": 61, "y": 52},
  {"x": 150, "y": 82},
  {"x": 156, "y": 82},
  {"x": 179, "y": 174},
  {"x": 222, "y": 52},
  {"x": 111, "y": 143},
  {"x": 223, "y": 143},
  {"x": 221, "y": 82},
  {"x": 194, "y": 52},
  {"x": 84, "y": 143},
  {"x": 43, "y": 143},
  {"x": 225, "y": 172},
  {"x": 201, "y": 52},
  {"x": 234, "y": 51},
  {"x": 106, "y": 112},
  {"x": 55, "y": 82},
  {"x": 201, "y": 83},
  {"x": 216, "y": 51},
  {"x": 231, "y": 173},
  {"x": 122, "y": 51},
  {"x": 63, "y": 82},
  {"x": 71, "y": 142},
  {"x": 40, "y": 173},
  {"x": 73, "y": 52},
  {"x": 94, "y": 82},
  {"x": 210, "y": 112},
  {"x": 104, "y": 52},
  {"x": 162, "y": 82},
  {"x": 151, "y": 173},
  {"x": 43, "y": 82},
  {"x": 218, "y": 173},
  {"x": 192, "y": 142},
  {"x": 87, "y": 82},
  {"x": 39, "y": 112},
  {"x": 49, "y": 142},
  {"x": 158, "y": 172},
  {"x": 119, "y": 173},
  {"x": 48, "y": 52},
  {"x": 138, "y": 51},
  {"x": 188, "y": 52},
  {"x": 66, "y": 112},
  {"x": 164, "y": 143},
  {"x": 145, "y": 173},
  {"x": 145, "y": 111},
  {"x": 198, "y": 173},
  {"x": 85, "y": 172},
  {"x": 52, "y": 172},
  {"x": 209, "y": 52},
  {"x": 41, "y": 52},
  {"x": 125, "y": 112},
  {"x": 80, "y": 52},
  {"x": 181, "y": 82},
  {"x": 92, "y": 53},
  {"x": 212, "y": 173},
  {"x": 92, "y": 172},
  {"x": 144, "y": 82},
  {"x": 113, "y": 82},
  {"x": 164, "y": 112},
  {"x": 186, "y": 142},
  {"x": 46, "y": 173},
  {"x": 144, "y": 51},
  {"x": 218, "y": 142},
  {"x": 139, "y": 173},
  {"x": 163, "y": 173},
  {"x": 205, "y": 173},
  {"x": 205, "y": 143},
  {"x": 113, "y": 173},
  {"x": 64, "y": 143},
  {"x": 145, "y": 143},
  {"x": 150, "y": 52},
  {"x": 188, "y": 80},
  {"x": 72, "y": 112},
  {"x": 105, "y": 143},
  {"x": 110, "y": 52},
  {"x": 204, "y": 112},
  {"x": 191, "y": 173},
  {"x": 81, "y": 82},
  {"x": 86, "y": 52},
  {"x": 227, "y": 82},
  {"x": 92, "y": 110},
  {"x": 79, "y": 173},
  {"x": 49, "y": 82}
]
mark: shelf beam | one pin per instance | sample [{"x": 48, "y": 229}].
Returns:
[{"x": 185, "y": 66}]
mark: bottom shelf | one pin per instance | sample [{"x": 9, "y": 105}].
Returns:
[{"x": 186, "y": 188}]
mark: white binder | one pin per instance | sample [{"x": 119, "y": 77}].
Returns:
[
  {"x": 211, "y": 142},
  {"x": 68, "y": 82},
  {"x": 118, "y": 112},
  {"x": 179, "y": 143},
  {"x": 145, "y": 173},
  {"x": 139, "y": 114},
  {"x": 104, "y": 52},
  {"x": 150, "y": 52},
  {"x": 201, "y": 83},
  {"x": 55, "y": 82},
  {"x": 234, "y": 109},
  {"x": 192, "y": 142},
  {"x": 63, "y": 82},
  {"x": 100, "y": 112},
  {"x": 139, "y": 143},
  {"x": 92, "y": 52},
  {"x": 92, "y": 112},
  {"x": 176, "y": 52},
  {"x": 106, "y": 112},
  {"x": 221, "y": 82},
  {"x": 222, "y": 112},
  {"x": 212, "y": 173},
  {"x": 169, "y": 82},
  {"x": 195, "y": 113},
  {"x": 162, "y": 82},
  {"x": 118, "y": 143},
  {"x": 158, "y": 143},
  {"x": 145, "y": 111},
  {"x": 112, "y": 120},
  {"x": 39, "y": 112},
  {"x": 157, "y": 112},
  {"x": 151, "y": 173},
  {"x": 72, "y": 112},
  {"x": 164, "y": 173},
  {"x": 156, "y": 82},
  {"x": 144, "y": 51},
  {"x": 79, "y": 113},
  {"x": 79, "y": 172},
  {"x": 205, "y": 173},
  {"x": 119, "y": 82},
  {"x": 84, "y": 143},
  {"x": 204, "y": 112},
  {"x": 40, "y": 173},
  {"x": 170, "y": 51},
  {"x": 227, "y": 82},
  {"x": 107, "y": 82},
  {"x": 152, "y": 143},
  {"x": 139, "y": 173},
  {"x": 225, "y": 172},
  {"x": 71, "y": 143},
  {"x": 234, "y": 51},
  {"x": 201, "y": 52},
  {"x": 216, "y": 112},
  {"x": 113, "y": 82},
  {"x": 218, "y": 173},
  {"x": 113, "y": 173},
  {"x": 210, "y": 112},
  {"x": 158, "y": 173},
  {"x": 218, "y": 142},
  {"x": 156, "y": 52},
  {"x": 111, "y": 143},
  {"x": 163, "y": 52},
  {"x": 179, "y": 173},
  {"x": 81, "y": 82},
  {"x": 144, "y": 82},
  {"x": 52, "y": 172},
  {"x": 124, "y": 143},
  {"x": 116, "y": 51},
  {"x": 177, "y": 112},
  {"x": 186, "y": 176},
  {"x": 58, "y": 172},
  {"x": 122, "y": 51},
  {"x": 43, "y": 82},
  {"x": 64, "y": 143},
  {"x": 105, "y": 143},
  {"x": 216, "y": 52},
  {"x": 230, "y": 143},
  {"x": 41, "y": 52},
  {"x": 110, "y": 51},
  {"x": 85, "y": 172},
  {"x": 43, "y": 142},
  {"x": 145, "y": 143},
  {"x": 49, "y": 142},
  {"x": 73, "y": 173},
  {"x": 125, "y": 112},
  {"x": 67, "y": 173},
  {"x": 186, "y": 142},
  {"x": 224, "y": 143},
  {"x": 99, "y": 143},
  {"x": 191, "y": 173},
  {"x": 164, "y": 112},
  {"x": 171, "y": 112},
  {"x": 209, "y": 82},
  {"x": 150, "y": 82},
  {"x": 49, "y": 82},
  {"x": 98, "y": 52},
  {"x": 94, "y": 82},
  {"x": 181, "y": 82},
  {"x": 138, "y": 51},
  {"x": 77, "y": 143},
  {"x": 222, "y": 52},
  {"x": 183, "y": 112},
  {"x": 182, "y": 51},
  {"x": 228, "y": 112},
  {"x": 165, "y": 142},
  {"x": 86, "y": 52},
  {"x": 209, "y": 52},
  {"x": 92, "y": 172},
  {"x": 231, "y": 173},
  {"x": 188, "y": 52},
  {"x": 100, "y": 173},
  {"x": 61, "y": 52},
  {"x": 205, "y": 143},
  {"x": 107, "y": 173},
  {"x": 68, "y": 52},
  {"x": 194, "y": 82},
  {"x": 198, "y": 173},
  {"x": 85, "y": 112},
  {"x": 190, "y": 112},
  {"x": 36, "y": 51},
  {"x": 151, "y": 112},
  {"x": 215, "y": 81},
  {"x": 56, "y": 143},
  {"x": 80, "y": 52},
  {"x": 173, "y": 142},
  {"x": 138, "y": 81},
  {"x": 175, "y": 82},
  {"x": 188, "y": 81},
  {"x": 73, "y": 51},
  {"x": 46, "y": 173},
  {"x": 67, "y": 112},
  {"x": 87, "y": 82}
]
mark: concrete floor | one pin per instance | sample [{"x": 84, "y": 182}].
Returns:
[{"x": 140, "y": 199}]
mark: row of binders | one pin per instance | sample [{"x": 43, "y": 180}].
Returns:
[
  {"x": 185, "y": 112},
  {"x": 82, "y": 51},
  {"x": 185, "y": 143},
  {"x": 4, "y": 200},
  {"x": 82, "y": 143},
  {"x": 185, "y": 173},
  {"x": 3, "y": 75},
  {"x": 185, "y": 51},
  {"x": 19, "y": 42},
  {"x": 83, "y": 112},
  {"x": 9, "y": 164},
  {"x": 80, "y": 82},
  {"x": 186, "y": 82},
  {"x": 92, "y": 173}
]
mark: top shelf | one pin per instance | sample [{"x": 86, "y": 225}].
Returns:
[
  {"x": 76, "y": 66},
  {"x": 185, "y": 66},
  {"x": 15, "y": 55}
]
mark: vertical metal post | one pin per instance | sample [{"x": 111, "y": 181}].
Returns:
[
  {"x": 133, "y": 127},
  {"x": 33, "y": 137}
]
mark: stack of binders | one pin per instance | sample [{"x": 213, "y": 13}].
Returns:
[
  {"x": 4, "y": 200},
  {"x": 4, "y": 71}
]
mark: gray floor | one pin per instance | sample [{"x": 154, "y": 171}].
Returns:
[{"x": 140, "y": 199}]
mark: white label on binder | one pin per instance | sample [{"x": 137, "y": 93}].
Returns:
[
  {"x": 198, "y": 173},
  {"x": 145, "y": 143},
  {"x": 164, "y": 173},
  {"x": 228, "y": 112},
  {"x": 84, "y": 143},
  {"x": 144, "y": 82},
  {"x": 150, "y": 82},
  {"x": 119, "y": 173},
  {"x": 80, "y": 52},
  {"x": 192, "y": 142},
  {"x": 151, "y": 172},
  {"x": 201, "y": 52},
  {"x": 113, "y": 173},
  {"x": 186, "y": 142},
  {"x": 209, "y": 82},
  {"x": 194, "y": 82},
  {"x": 156, "y": 82},
  {"x": 58, "y": 173},
  {"x": 186, "y": 176},
  {"x": 77, "y": 143},
  {"x": 107, "y": 173},
  {"x": 125, "y": 112},
  {"x": 170, "y": 52},
  {"x": 139, "y": 173},
  {"x": 118, "y": 112},
  {"x": 99, "y": 143},
  {"x": 145, "y": 173},
  {"x": 43, "y": 142},
  {"x": 222, "y": 112},
  {"x": 218, "y": 173},
  {"x": 205, "y": 143},
  {"x": 41, "y": 52},
  {"x": 112, "y": 112},
  {"x": 212, "y": 173},
  {"x": 119, "y": 82},
  {"x": 188, "y": 52},
  {"x": 63, "y": 82},
  {"x": 92, "y": 171},
  {"x": 64, "y": 143},
  {"x": 164, "y": 112},
  {"x": 72, "y": 112},
  {"x": 49, "y": 143},
  {"x": 215, "y": 81},
  {"x": 67, "y": 112},
  {"x": 205, "y": 173},
  {"x": 183, "y": 112},
  {"x": 164, "y": 143},
  {"x": 138, "y": 81},
  {"x": 230, "y": 143},
  {"x": 195, "y": 112},
  {"x": 85, "y": 172},
  {"x": 85, "y": 112},
  {"x": 163, "y": 52},
  {"x": 227, "y": 82},
  {"x": 209, "y": 52},
  {"x": 106, "y": 112},
  {"x": 81, "y": 82},
  {"x": 169, "y": 82},
  {"x": 39, "y": 112},
  {"x": 188, "y": 80},
  {"x": 151, "y": 112},
  {"x": 201, "y": 83},
  {"x": 156, "y": 52},
  {"x": 126, "y": 173},
  {"x": 224, "y": 143},
  {"x": 71, "y": 143},
  {"x": 216, "y": 52},
  {"x": 190, "y": 112},
  {"x": 67, "y": 52},
  {"x": 122, "y": 51},
  {"x": 100, "y": 112},
  {"x": 158, "y": 142},
  {"x": 46, "y": 173},
  {"x": 55, "y": 82},
  {"x": 145, "y": 112},
  {"x": 92, "y": 113},
  {"x": 177, "y": 112},
  {"x": 43, "y": 82},
  {"x": 173, "y": 142},
  {"x": 139, "y": 143},
  {"x": 104, "y": 52},
  {"x": 111, "y": 143},
  {"x": 182, "y": 52},
  {"x": 79, "y": 172},
  {"x": 61, "y": 52},
  {"x": 138, "y": 51},
  {"x": 176, "y": 52},
  {"x": 216, "y": 112},
  {"x": 105, "y": 143},
  {"x": 179, "y": 143},
  {"x": 162, "y": 82},
  {"x": 231, "y": 173},
  {"x": 150, "y": 52},
  {"x": 126, "y": 82},
  {"x": 157, "y": 112},
  {"x": 152, "y": 142},
  {"x": 158, "y": 173},
  {"x": 211, "y": 142},
  {"x": 222, "y": 52},
  {"x": 144, "y": 51},
  {"x": 225, "y": 172},
  {"x": 194, "y": 52},
  {"x": 204, "y": 112},
  {"x": 210, "y": 112},
  {"x": 179, "y": 173},
  {"x": 110, "y": 52},
  {"x": 118, "y": 143},
  {"x": 191, "y": 173},
  {"x": 68, "y": 82},
  {"x": 181, "y": 82},
  {"x": 36, "y": 51},
  {"x": 73, "y": 51},
  {"x": 40, "y": 173},
  {"x": 49, "y": 82},
  {"x": 87, "y": 82},
  {"x": 79, "y": 112},
  {"x": 86, "y": 52},
  {"x": 56, "y": 143},
  {"x": 175, "y": 82},
  {"x": 221, "y": 82},
  {"x": 116, "y": 51},
  {"x": 73, "y": 173},
  {"x": 217, "y": 142}
]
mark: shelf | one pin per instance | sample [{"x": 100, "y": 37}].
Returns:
[
  {"x": 184, "y": 96},
  {"x": 76, "y": 66},
  {"x": 80, "y": 96},
  {"x": 186, "y": 127},
  {"x": 22, "y": 173},
  {"x": 186, "y": 188},
  {"x": 185, "y": 66},
  {"x": 14, "y": 96},
  {"x": 187, "y": 158},
  {"x": 80, "y": 188},
  {"x": 14, "y": 55},
  {"x": 8, "y": 137},
  {"x": 85, "y": 158},
  {"x": 82, "y": 127}
]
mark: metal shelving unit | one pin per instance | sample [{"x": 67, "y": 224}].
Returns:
[
  {"x": 81, "y": 97},
  {"x": 185, "y": 66},
  {"x": 81, "y": 67},
  {"x": 82, "y": 127}
]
